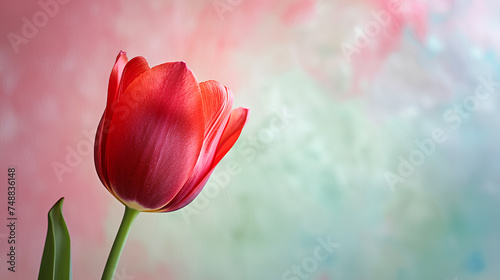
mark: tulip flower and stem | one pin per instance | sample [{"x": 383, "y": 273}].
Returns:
[{"x": 159, "y": 139}]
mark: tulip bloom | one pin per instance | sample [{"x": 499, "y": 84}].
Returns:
[{"x": 162, "y": 134}]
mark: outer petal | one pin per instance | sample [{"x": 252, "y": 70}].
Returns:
[
  {"x": 115, "y": 79},
  {"x": 152, "y": 151},
  {"x": 102, "y": 129},
  {"x": 237, "y": 121},
  {"x": 134, "y": 68},
  {"x": 232, "y": 131},
  {"x": 217, "y": 103},
  {"x": 98, "y": 157}
]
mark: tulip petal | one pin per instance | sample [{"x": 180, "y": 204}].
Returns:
[
  {"x": 115, "y": 79},
  {"x": 122, "y": 75},
  {"x": 134, "y": 68},
  {"x": 182, "y": 201},
  {"x": 237, "y": 121},
  {"x": 232, "y": 131},
  {"x": 98, "y": 157},
  {"x": 102, "y": 129},
  {"x": 217, "y": 103},
  {"x": 154, "y": 148}
]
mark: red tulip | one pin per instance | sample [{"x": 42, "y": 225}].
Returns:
[{"x": 162, "y": 134}]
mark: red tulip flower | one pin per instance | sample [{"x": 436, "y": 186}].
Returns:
[
  {"x": 162, "y": 134},
  {"x": 160, "y": 137}
]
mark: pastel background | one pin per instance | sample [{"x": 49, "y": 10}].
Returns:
[{"x": 338, "y": 90}]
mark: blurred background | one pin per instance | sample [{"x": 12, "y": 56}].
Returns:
[{"x": 371, "y": 151}]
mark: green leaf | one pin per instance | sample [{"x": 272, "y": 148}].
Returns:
[{"x": 56, "y": 259}]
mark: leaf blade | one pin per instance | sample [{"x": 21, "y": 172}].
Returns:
[{"x": 56, "y": 258}]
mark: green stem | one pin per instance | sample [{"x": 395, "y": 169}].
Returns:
[{"x": 121, "y": 237}]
